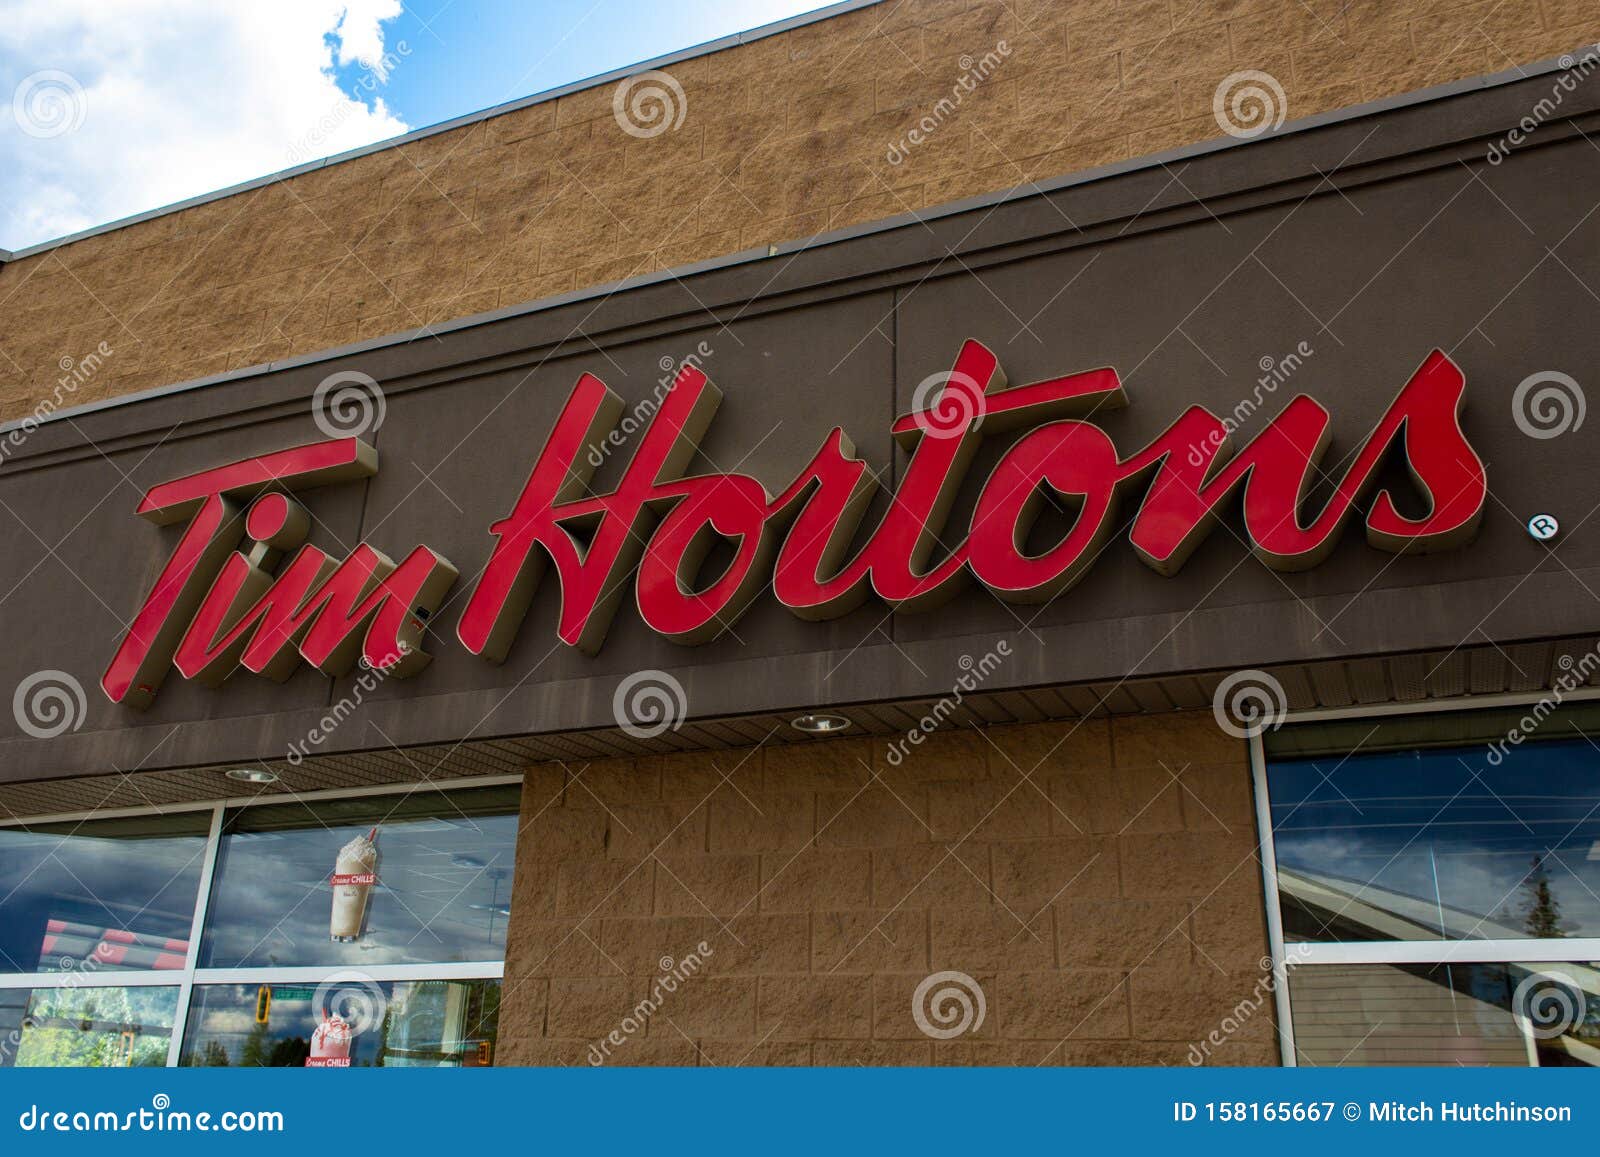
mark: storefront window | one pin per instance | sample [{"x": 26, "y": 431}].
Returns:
[
  {"x": 86, "y": 1027},
  {"x": 1448, "y": 1014},
  {"x": 428, "y": 1023},
  {"x": 1439, "y": 844},
  {"x": 1438, "y": 887},
  {"x": 398, "y": 879},
  {"x": 111, "y": 895},
  {"x": 364, "y": 930}
]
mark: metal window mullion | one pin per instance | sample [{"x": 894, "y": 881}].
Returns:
[
  {"x": 110, "y": 813},
  {"x": 167, "y": 978},
  {"x": 202, "y": 901},
  {"x": 266, "y": 799},
  {"x": 317, "y": 973},
  {"x": 1269, "y": 881},
  {"x": 1429, "y": 706},
  {"x": 1448, "y": 952},
  {"x": 443, "y": 786},
  {"x": 1530, "y": 1039},
  {"x": 299, "y": 974}
]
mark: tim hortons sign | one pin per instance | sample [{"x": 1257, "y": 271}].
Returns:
[{"x": 244, "y": 589}]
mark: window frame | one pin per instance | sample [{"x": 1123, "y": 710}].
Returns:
[
  {"x": 186, "y": 979},
  {"x": 1310, "y": 955}
]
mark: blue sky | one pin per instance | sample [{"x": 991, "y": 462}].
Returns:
[
  {"x": 117, "y": 108},
  {"x": 467, "y": 56}
]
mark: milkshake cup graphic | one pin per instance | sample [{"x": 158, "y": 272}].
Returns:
[
  {"x": 330, "y": 1043},
  {"x": 354, "y": 874}
]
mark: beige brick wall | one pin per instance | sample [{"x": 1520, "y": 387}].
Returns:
[
  {"x": 783, "y": 137},
  {"x": 1098, "y": 880}
]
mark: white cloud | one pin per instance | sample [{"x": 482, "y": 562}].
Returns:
[
  {"x": 178, "y": 98},
  {"x": 360, "y": 33}
]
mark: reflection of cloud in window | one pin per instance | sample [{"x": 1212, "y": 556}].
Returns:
[
  {"x": 1473, "y": 883},
  {"x": 144, "y": 886},
  {"x": 441, "y": 895},
  {"x": 230, "y": 1020},
  {"x": 1437, "y": 826}
]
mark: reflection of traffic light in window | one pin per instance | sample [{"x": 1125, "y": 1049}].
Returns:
[
  {"x": 125, "y": 1048},
  {"x": 263, "y": 1003}
]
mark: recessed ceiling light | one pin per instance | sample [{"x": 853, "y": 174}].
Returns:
[
  {"x": 252, "y": 775},
  {"x": 820, "y": 724}
]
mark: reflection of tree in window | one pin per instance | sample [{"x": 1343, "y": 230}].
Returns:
[
  {"x": 261, "y": 1051},
  {"x": 96, "y": 1028},
  {"x": 1541, "y": 911}
]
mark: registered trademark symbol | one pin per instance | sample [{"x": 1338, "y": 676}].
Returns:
[{"x": 1543, "y": 527}]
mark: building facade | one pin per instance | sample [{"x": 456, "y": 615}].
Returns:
[{"x": 934, "y": 533}]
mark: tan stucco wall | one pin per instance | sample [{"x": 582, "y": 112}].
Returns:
[{"x": 782, "y": 138}]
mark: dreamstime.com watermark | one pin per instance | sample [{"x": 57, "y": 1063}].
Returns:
[
  {"x": 974, "y": 672},
  {"x": 370, "y": 679},
  {"x": 636, "y": 418},
  {"x": 673, "y": 974},
  {"x": 1249, "y": 702},
  {"x": 1249, "y": 103},
  {"x": 649, "y": 703},
  {"x": 49, "y": 703},
  {"x": 648, "y": 104},
  {"x": 1274, "y": 372},
  {"x": 973, "y": 73},
  {"x": 1577, "y": 70},
  {"x": 160, "y": 1117},
  {"x": 75, "y": 372},
  {"x": 948, "y": 404},
  {"x": 1246, "y": 1010},
  {"x": 373, "y": 74},
  {"x": 353, "y": 1001},
  {"x": 348, "y": 404},
  {"x": 1550, "y": 1003},
  {"x": 1575, "y": 673},
  {"x": 1548, "y": 404},
  {"x": 48, "y": 103},
  {"x": 948, "y": 1004}
]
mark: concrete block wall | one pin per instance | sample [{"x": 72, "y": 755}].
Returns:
[
  {"x": 781, "y": 138},
  {"x": 1098, "y": 881}
]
